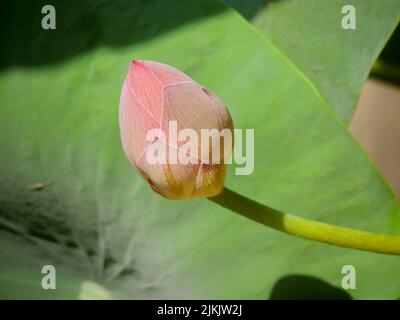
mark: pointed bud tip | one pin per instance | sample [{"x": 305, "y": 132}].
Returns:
[{"x": 136, "y": 62}]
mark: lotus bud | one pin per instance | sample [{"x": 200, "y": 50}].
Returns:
[{"x": 177, "y": 134}]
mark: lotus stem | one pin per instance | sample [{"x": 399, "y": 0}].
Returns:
[{"x": 308, "y": 229}]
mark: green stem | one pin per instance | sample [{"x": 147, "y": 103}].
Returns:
[{"x": 308, "y": 229}]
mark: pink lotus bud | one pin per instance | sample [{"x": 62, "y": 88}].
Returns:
[{"x": 164, "y": 120}]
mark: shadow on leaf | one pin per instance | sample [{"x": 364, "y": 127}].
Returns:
[
  {"x": 87, "y": 24},
  {"x": 84, "y": 25},
  {"x": 300, "y": 287}
]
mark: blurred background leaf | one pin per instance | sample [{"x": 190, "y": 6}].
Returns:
[
  {"x": 100, "y": 224},
  {"x": 335, "y": 60}
]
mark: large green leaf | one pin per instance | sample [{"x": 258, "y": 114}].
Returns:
[
  {"x": 309, "y": 32},
  {"x": 60, "y": 125}
]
